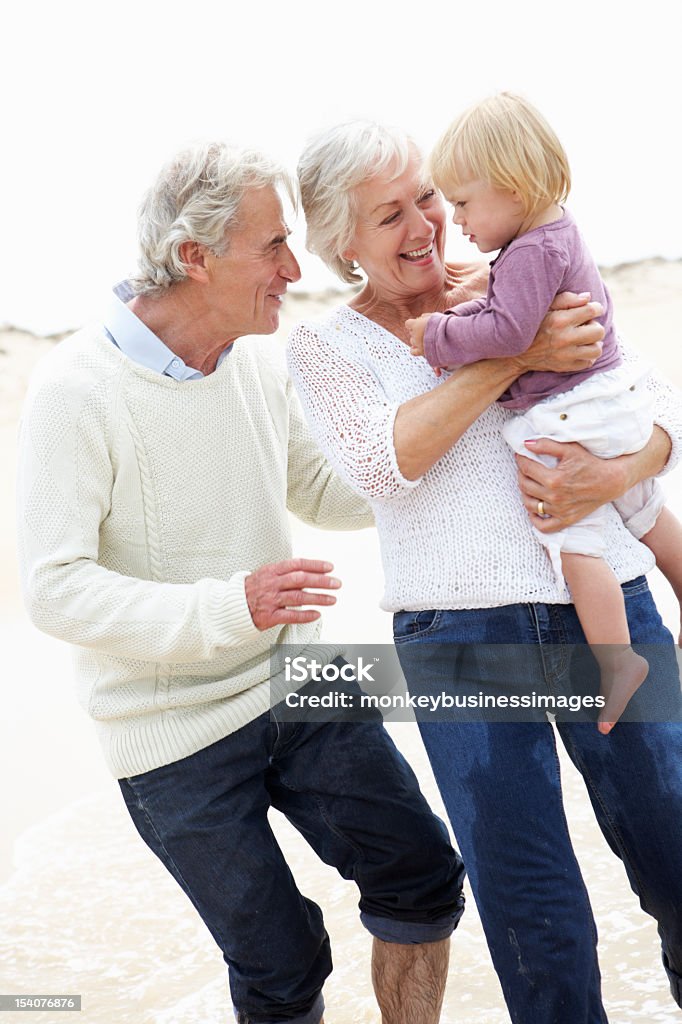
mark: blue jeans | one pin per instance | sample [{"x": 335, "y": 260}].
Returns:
[
  {"x": 500, "y": 783},
  {"x": 353, "y": 797}
]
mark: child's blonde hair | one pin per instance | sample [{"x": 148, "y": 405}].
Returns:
[{"x": 505, "y": 141}]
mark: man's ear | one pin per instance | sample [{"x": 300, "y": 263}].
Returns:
[{"x": 193, "y": 256}]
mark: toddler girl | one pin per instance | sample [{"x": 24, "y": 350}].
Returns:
[{"x": 506, "y": 174}]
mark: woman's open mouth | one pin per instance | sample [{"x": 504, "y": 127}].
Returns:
[{"x": 416, "y": 255}]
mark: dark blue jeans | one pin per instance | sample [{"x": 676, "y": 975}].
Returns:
[
  {"x": 500, "y": 783},
  {"x": 353, "y": 797}
]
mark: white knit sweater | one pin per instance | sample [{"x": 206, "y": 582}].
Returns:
[
  {"x": 459, "y": 537},
  {"x": 143, "y": 504}
]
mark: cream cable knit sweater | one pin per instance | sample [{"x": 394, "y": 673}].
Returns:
[
  {"x": 459, "y": 537},
  {"x": 143, "y": 504}
]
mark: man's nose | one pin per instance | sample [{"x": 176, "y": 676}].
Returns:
[{"x": 290, "y": 269}]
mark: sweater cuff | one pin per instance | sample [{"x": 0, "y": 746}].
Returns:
[
  {"x": 431, "y": 339},
  {"x": 390, "y": 445},
  {"x": 671, "y": 427},
  {"x": 228, "y": 612}
]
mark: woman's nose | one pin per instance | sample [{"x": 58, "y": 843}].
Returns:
[{"x": 420, "y": 226}]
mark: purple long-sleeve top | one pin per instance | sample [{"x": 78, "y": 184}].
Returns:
[{"x": 524, "y": 279}]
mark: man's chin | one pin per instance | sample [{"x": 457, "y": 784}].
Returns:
[{"x": 266, "y": 326}]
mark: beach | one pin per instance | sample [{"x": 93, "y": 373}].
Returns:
[{"x": 87, "y": 909}]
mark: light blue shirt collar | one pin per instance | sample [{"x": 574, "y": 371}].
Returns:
[{"x": 136, "y": 341}]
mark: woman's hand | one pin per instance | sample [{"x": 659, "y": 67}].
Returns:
[
  {"x": 581, "y": 482},
  {"x": 568, "y": 339}
]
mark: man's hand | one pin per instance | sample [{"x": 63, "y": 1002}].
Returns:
[
  {"x": 575, "y": 487},
  {"x": 275, "y": 592},
  {"x": 416, "y": 329}
]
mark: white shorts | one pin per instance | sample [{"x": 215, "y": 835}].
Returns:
[{"x": 610, "y": 414}]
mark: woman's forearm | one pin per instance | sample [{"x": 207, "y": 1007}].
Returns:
[
  {"x": 649, "y": 461},
  {"x": 581, "y": 482},
  {"x": 427, "y": 426},
  {"x": 627, "y": 470}
]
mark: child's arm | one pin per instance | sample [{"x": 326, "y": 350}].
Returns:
[
  {"x": 526, "y": 280},
  {"x": 469, "y": 308},
  {"x": 417, "y": 327}
]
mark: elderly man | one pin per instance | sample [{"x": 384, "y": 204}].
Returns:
[{"x": 157, "y": 466}]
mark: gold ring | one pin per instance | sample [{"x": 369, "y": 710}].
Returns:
[{"x": 541, "y": 508}]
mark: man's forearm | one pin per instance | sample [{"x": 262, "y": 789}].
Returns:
[{"x": 91, "y": 606}]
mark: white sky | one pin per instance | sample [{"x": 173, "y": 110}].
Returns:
[{"x": 96, "y": 96}]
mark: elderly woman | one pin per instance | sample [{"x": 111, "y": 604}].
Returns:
[{"x": 462, "y": 566}]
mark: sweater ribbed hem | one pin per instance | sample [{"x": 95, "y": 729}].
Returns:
[
  {"x": 172, "y": 734},
  {"x": 528, "y": 594}
]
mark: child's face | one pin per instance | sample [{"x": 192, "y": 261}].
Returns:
[{"x": 489, "y": 216}]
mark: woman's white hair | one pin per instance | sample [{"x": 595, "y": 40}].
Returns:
[
  {"x": 331, "y": 167},
  {"x": 196, "y": 197}
]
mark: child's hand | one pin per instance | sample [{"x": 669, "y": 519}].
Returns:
[{"x": 415, "y": 329}]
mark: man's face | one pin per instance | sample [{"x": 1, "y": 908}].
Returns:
[{"x": 247, "y": 284}]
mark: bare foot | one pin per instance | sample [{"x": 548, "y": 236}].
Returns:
[{"x": 618, "y": 684}]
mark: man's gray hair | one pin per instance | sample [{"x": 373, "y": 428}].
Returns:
[
  {"x": 331, "y": 167},
  {"x": 196, "y": 197}
]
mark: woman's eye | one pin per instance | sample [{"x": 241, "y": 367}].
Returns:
[
  {"x": 393, "y": 217},
  {"x": 427, "y": 196}
]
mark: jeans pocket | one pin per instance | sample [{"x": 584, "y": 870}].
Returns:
[{"x": 413, "y": 625}]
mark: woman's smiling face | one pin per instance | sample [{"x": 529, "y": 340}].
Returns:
[{"x": 400, "y": 232}]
